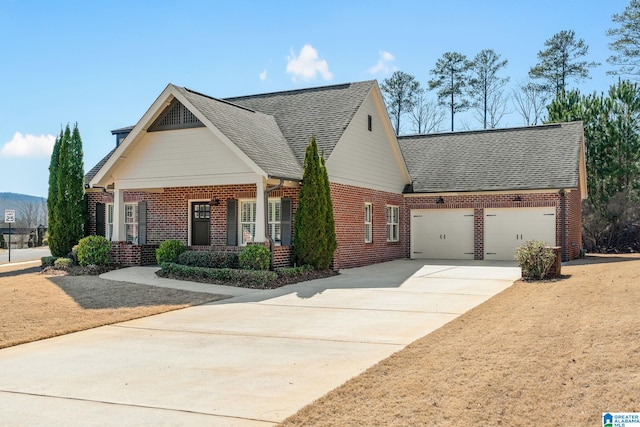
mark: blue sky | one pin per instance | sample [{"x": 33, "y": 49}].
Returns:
[{"x": 102, "y": 64}]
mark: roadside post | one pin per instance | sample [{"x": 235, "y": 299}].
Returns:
[{"x": 9, "y": 218}]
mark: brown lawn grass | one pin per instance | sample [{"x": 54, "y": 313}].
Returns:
[
  {"x": 34, "y": 306},
  {"x": 542, "y": 353}
]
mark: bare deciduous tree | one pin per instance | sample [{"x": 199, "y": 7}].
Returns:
[
  {"x": 530, "y": 101},
  {"x": 426, "y": 115}
]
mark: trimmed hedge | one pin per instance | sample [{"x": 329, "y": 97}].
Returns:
[
  {"x": 294, "y": 271},
  {"x": 169, "y": 251},
  {"x": 63, "y": 263},
  {"x": 250, "y": 278},
  {"x": 93, "y": 250},
  {"x": 209, "y": 259},
  {"x": 255, "y": 257},
  {"x": 48, "y": 261}
]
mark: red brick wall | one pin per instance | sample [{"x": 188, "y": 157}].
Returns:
[
  {"x": 168, "y": 212},
  {"x": 480, "y": 202},
  {"x": 348, "y": 207}
]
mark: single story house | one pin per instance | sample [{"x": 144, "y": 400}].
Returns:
[{"x": 222, "y": 173}]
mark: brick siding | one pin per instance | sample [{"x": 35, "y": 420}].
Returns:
[{"x": 480, "y": 202}]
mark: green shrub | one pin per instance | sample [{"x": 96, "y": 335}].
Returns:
[
  {"x": 209, "y": 259},
  {"x": 255, "y": 257},
  {"x": 169, "y": 251},
  {"x": 535, "y": 259},
  {"x": 48, "y": 261},
  {"x": 93, "y": 250},
  {"x": 63, "y": 263},
  {"x": 294, "y": 271},
  {"x": 246, "y": 278}
]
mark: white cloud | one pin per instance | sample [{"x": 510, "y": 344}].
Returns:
[
  {"x": 263, "y": 75},
  {"x": 307, "y": 65},
  {"x": 28, "y": 145},
  {"x": 384, "y": 65}
]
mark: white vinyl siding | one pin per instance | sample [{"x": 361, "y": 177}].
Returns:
[
  {"x": 393, "y": 223},
  {"x": 368, "y": 224},
  {"x": 370, "y": 159},
  {"x": 185, "y": 156}
]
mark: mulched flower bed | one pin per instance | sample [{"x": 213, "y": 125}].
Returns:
[{"x": 279, "y": 282}]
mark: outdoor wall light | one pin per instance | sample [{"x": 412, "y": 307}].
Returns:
[
  {"x": 440, "y": 200},
  {"x": 215, "y": 201},
  {"x": 517, "y": 198}
]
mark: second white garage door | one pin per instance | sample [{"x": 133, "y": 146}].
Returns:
[
  {"x": 442, "y": 233},
  {"x": 507, "y": 229}
]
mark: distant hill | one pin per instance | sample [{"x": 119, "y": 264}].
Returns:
[{"x": 17, "y": 201}]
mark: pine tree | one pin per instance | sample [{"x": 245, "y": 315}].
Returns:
[
  {"x": 314, "y": 238},
  {"x": 69, "y": 213}
]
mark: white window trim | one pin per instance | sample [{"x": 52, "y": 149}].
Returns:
[
  {"x": 393, "y": 223},
  {"x": 109, "y": 221},
  {"x": 368, "y": 222},
  {"x": 132, "y": 224},
  {"x": 272, "y": 223}
]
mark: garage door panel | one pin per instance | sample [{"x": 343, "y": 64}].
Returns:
[
  {"x": 507, "y": 229},
  {"x": 442, "y": 234}
]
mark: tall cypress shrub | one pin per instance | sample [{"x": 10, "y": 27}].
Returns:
[
  {"x": 314, "y": 233},
  {"x": 69, "y": 214},
  {"x": 52, "y": 195}
]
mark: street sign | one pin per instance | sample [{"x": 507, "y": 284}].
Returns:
[{"x": 9, "y": 216}]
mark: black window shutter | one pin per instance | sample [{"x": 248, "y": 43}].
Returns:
[
  {"x": 285, "y": 221},
  {"x": 232, "y": 222},
  {"x": 101, "y": 226},
  {"x": 142, "y": 223}
]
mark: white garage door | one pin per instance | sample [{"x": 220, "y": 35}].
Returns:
[
  {"x": 507, "y": 229},
  {"x": 442, "y": 233}
]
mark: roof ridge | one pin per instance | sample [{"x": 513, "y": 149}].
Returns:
[
  {"x": 218, "y": 99},
  {"x": 308, "y": 89},
  {"x": 477, "y": 131}
]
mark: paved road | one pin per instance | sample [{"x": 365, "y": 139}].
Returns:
[
  {"x": 250, "y": 360},
  {"x": 27, "y": 254}
]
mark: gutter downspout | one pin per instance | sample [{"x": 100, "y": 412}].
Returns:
[
  {"x": 562, "y": 222},
  {"x": 266, "y": 219}
]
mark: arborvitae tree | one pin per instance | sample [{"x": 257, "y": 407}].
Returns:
[
  {"x": 314, "y": 239},
  {"x": 52, "y": 196},
  {"x": 69, "y": 214},
  {"x": 329, "y": 224}
]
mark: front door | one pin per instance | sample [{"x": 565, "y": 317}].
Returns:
[{"x": 200, "y": 223}]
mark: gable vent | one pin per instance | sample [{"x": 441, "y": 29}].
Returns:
[{"x": 175, "y": 116}]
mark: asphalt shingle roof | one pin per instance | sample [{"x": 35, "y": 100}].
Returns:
[
  {"x": 323, "y": 111},
  {"x": 538, "y": 157},
  {"x": 273, "y": 129},
  {"x": 255, "y": 133}
]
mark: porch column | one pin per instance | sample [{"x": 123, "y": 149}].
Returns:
[
  {"x": 118, "y": 215},
  {"x": 260, "y": 212}
]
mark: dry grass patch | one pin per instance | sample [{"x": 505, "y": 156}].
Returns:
[
  {"x": 34, "y": 306},
  {"x": 542, "y": 353}
]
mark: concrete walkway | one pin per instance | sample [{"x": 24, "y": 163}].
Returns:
[{"x": 250, "y": 360}]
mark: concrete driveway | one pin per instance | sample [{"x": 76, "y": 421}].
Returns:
[{"x": 251, "y": 360}]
